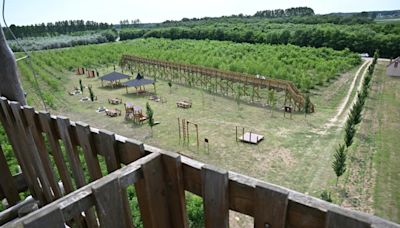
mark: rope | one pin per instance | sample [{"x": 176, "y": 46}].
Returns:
[{"x": 27, "y": 56}]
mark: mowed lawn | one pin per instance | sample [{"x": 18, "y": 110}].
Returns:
[{"x": 296, "y": 152}]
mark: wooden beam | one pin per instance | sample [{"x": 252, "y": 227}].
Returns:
[{"x": 7, "y": 184}]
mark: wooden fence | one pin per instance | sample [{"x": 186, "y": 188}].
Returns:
[
  {"x": 204, "y": 77},
  {"x": 160, "y": 179}
]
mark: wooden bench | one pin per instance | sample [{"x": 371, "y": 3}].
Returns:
[
  {"x": 113, "y": 112},
  {"x": 184, "y": 104}
]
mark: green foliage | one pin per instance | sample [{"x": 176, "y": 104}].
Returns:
[
  {"x": 339, "y": 164},
  {"x": 195, "y": 211},
  {"x": 350, "y": 131},
  {"x": 326, "y": 195},
  {"x": 307, "y": 103},
  {"x": 91, "y": 93},
  {"x": 149, "y": 113}
]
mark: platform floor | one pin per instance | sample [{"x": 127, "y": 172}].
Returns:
[{"x": 250, "y": 137}]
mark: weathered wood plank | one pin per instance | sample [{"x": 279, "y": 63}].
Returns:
[
  {"x": 8, "y": 121},
  {"x": 107, "y": 145},
  {"x": 130, "y": 151},
  {"x": 20, "y": 183},
  {"x": 215, "y": 196},
  {"x": 336, "y": 219},
  {"x": 86, "y": 141},
  {"x": 300, "y": 215},
  {"x": 53, "y": 218},
  {"x": 176, "y": 194},
  {"x": 34, "y": 125},
  {"x": 108, "y": 201},
  {"x": 7, "y": 184},
  {"x": 49, "y": 127},
  {"x": 31, "y": 152},
  {"x": 156, "y": 194},
  {"x": 63, "y": 124},
  {"x": 270, "y": 206},
  {"x": 81, "y": 200}
]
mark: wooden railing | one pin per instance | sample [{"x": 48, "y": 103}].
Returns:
[
  {"x": 160, "y": 179},
  {"x": 292, "y": 91}
]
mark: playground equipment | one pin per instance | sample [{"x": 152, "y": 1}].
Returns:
[
  {"x": 249, "y": 137},
  {"x": 183, "y": 129}
]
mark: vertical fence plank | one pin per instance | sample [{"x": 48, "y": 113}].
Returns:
[
  {"x": 86, "y": 141},
  {"x": 8, "y": 122},
  {"x": 215, "y": 197},
  {"x": 108, "y": 200},
  {"x": 339, "y": 220},
  {"x": 7, "y": 184},
  {"x": 64, "y": 128},
  {"x": 53, "y": 218},
  {"x": 33, "y": 124},
  {"x": 270, "y": 206},
  {"x": 108, "y": 147},
  {"x": 49, "y": 126},
  {"x": 31, "y": 151},
  {"x": 175, "y": 191},
  {"x": 156, "y": 198}
]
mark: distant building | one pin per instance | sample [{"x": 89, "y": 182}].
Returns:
[{"x": 393, "y": 69}]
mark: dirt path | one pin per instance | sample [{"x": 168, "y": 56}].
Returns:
[
  {"x": 323, "y": 169},
  {"x": 342, "y": 107}
]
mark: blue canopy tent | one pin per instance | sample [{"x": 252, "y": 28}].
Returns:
[{"x": 138, "y": 83}]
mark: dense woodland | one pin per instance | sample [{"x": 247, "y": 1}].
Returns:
[{"x": 361, "y": 38}]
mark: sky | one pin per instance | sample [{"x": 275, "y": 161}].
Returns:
[{"x": 23, "y": 12}]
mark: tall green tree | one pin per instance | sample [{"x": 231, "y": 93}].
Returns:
[
  {"x": 150, "y": 113},
  {"x": 306, "y": 104},
  {"x": 339, "y": 164}
]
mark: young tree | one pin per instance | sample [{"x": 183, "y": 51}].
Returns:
[
  {"x": 150, "y": 113},
  {"x": 170, "y": 85},
  {"x": 81, "y": 85},
  {"x": 91, "y": 93},
  {"x": 349, "y": 133},
  {"x": 339, "y": 164},
  {"x": 271, "y": 100},
  {"x": 306, "y": 104}
]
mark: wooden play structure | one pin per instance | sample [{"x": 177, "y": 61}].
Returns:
[
  {"x": 160, "y": 179},
  {"x": 90, "y": 73},
  {"x": 134, "y": 112},
  {"x": 183, "y": 129},
  {"x": 215, "y": 80},
  {"x": 248, "y": 137}
]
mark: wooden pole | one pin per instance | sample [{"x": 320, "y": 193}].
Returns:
[
  {"x": 179, "y": 129},
  {"x": 187, "y": 132},
  {"x": 236, "y": 135},
  {"x": 10, "y": 85},
  {"x": 197, "y": 133}
]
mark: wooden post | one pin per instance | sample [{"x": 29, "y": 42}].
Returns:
[
  {"x": 179, "y": 129},
  {"x": 7, "y": 184},
  {"x": 187, "y": 132},
  {"x": 236, "y": 134},
  {"x": 215, "y": 194},
  {"x": 197, "y": 133}
]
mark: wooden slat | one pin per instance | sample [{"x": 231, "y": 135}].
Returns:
[
  {"x": 110, "y": 150},
  {"x": 20, "y": 184},
  {"x": 64, "y": 126},
  {"x": 49, "y": 126},
  {"x": 241, "y": 196},
  {"x": 336, "y": 219},
  {"x": 34, "y": 125},
  {"x": 130, "y": 151},
  {"x": 215, "y": 197},
  {"x": 270, "y": 206},
  {"x": 86, "y": 141},
  {"x": 175, "y": 191},
  {"x": 108, "y": 201},
  {"x": 7, "y": 184},
  {"x": 300, "y": 215},
  {"x": 107, "y": 146},
  {"x": 31, "y": 151},
  {"x": 53, "y": 218},
  {"x": 157, "y": 203},
  {"x": 8, "y": 121}
]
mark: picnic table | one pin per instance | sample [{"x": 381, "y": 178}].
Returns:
[
  {"x": 184, "y": 104},
  {"x": 113, "y": 112},
  {"x": 115, "y": 101}
]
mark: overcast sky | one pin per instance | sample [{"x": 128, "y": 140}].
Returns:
[{"x": 112, "y": 11}]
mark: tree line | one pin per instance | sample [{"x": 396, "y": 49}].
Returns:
[
  {"x": 357, "y": 38},
  {"x": 56, "y": 28}
]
